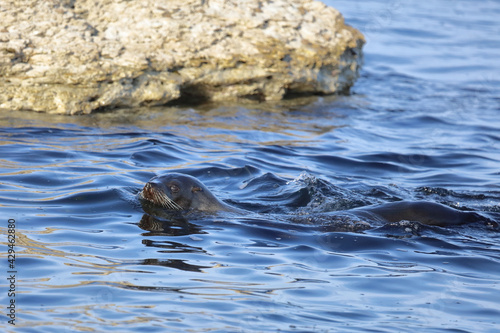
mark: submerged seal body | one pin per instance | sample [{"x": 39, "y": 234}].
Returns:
[
  {"x": 429, "y": 213},
  {"x": 179, "y": 192}
]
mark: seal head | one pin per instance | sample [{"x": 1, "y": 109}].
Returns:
[{"x": 180, "y": 192}]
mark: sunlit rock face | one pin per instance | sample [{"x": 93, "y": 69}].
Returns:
[{"x": 76, "y": 56}]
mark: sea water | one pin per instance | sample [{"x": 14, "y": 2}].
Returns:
[{"x": 421, "y": 123}]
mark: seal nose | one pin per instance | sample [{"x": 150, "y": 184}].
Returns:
[
  {"x": 154, "y": 193},
  {"x": 148, "y": 190}
]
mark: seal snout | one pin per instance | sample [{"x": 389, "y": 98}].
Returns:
[
  {"x": 147, "y": 192},
  {"x": 154, "y": 194}
]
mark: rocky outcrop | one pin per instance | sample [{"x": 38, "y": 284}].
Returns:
[{"x": 76, "y": 56}]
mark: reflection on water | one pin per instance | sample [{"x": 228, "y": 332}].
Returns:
[
  {"x": 290, "y": 119},
  {"x": 420, "y": 124}
]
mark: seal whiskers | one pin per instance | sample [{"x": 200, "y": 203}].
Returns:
[{"x": 158, "y": 198}]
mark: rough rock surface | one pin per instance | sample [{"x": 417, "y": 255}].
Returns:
[{"x": 75, "y": 56}]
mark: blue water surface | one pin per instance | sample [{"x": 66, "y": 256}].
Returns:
[{"x": 421, "y": 123}]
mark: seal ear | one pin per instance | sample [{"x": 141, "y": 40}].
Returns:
[{"x": 196, "y": 189}]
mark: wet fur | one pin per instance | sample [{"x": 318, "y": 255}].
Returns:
[{"x": 180, "y": 192}]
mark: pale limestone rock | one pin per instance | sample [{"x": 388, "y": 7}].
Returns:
[{"x": 75, "y": 56}]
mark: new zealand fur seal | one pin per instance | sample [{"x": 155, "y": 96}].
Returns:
[{"x": 182, "y": 193}]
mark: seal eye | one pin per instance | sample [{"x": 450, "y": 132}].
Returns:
[{"x": 174, "y": 188}]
